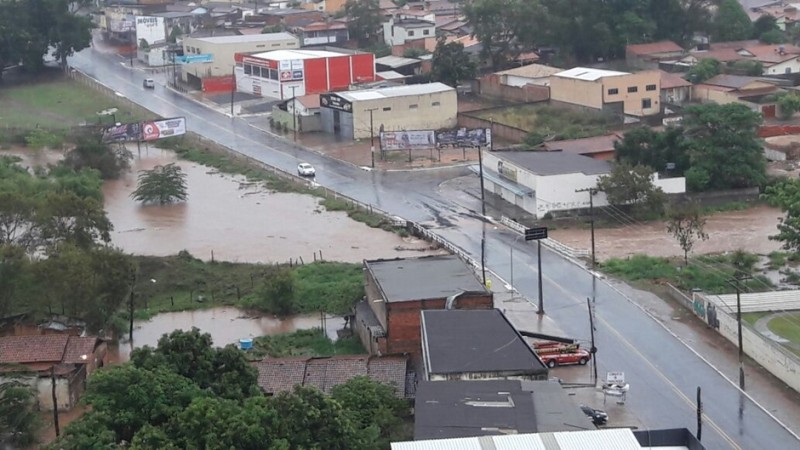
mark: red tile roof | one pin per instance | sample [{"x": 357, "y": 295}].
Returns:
[
  {"x": 671, "y": 81},
  {"x": 33, "y": 349},
  {"x": 282, "y": 374},
  {"x": 79, "y": 349},
  {"x": 654, "y": 47}
]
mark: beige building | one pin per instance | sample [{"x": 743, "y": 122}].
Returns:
[
  {"x": 634, "y": 94},
  {"x": 429, "y": 106},
  {"x": 214, "y": 56}
]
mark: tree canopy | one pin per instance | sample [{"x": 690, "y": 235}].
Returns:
[
  {"x": 451, "y": 64},
  {"x": 162, "y": 185},
  {"x": 786, "y": 195},
  {"x": 179, "y": 395},
  {"x": 631, "y": 187},
  {"x": 365, "y": 21},
  {"x": 731, "y": 22}
]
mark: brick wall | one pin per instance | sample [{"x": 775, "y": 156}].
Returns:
[
  {"x": 490, "y": 86},
  {"x": 778, "y": 130},
  {"x": 404, "y": 320}
]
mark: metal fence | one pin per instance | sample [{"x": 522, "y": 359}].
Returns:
[{"x": 550, "y": 243}]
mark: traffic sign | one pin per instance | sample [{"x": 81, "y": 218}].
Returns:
[{"x": 535, "y": 234}]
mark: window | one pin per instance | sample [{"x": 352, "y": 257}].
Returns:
[
  {"x": 410, "y": 32},
  {"x": 613, "y": 91},
  {"x": 273, "y": 74},
  {"x": 435, "y": 104},
  {"x": 413, "y": 106},
  {"x": 632, "y": 89},
  {"x": 248, "y": 69},
  {"x": 276, "y": 45},
  {"x": 261, "y": 45},
  {"x": 651, "y": 87},
  {"x": 426, "y": 32},
  {"x": 387, "y": 108},
  {"x": 646, "y": 103}
]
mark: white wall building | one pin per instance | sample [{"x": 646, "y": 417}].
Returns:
[
  {"x": 397, "y": 31},
  {"x": 546, "y": 182}
]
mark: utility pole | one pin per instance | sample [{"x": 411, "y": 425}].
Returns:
[
  {"x": 372, "y": 136},
  {"x": 736, "y": 282},
  {"x": 130, "y": 304},
  {"x": 294, "y": 112},
  {"x": 592, "y": 350},
  {"x": 55, "y": 399},
  {"x": 233, "y": 87},
  {"x": 483, "y": 252},
  {"x": 592, "y": 192},
  {"x": 480, "y": 165},
  {"x": 699, "y": 415}
]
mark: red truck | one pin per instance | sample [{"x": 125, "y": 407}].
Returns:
[{"x": 556, "y": 353}]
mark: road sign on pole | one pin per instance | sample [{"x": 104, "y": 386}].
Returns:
[{"x": 534, "y": 234}]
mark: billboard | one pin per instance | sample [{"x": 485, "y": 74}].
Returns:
[
  {"x": 151, "y": 29},
  {"x": 160, "y": 129},
  {"x": 464, "y": 137},
  {"x": 333, "y": 101},
  {"x": 125, "y": 132},
  {"x": 404, "y": 140}
]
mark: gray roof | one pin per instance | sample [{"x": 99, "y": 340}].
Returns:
[
  {"x": 555, "y": 163},
  {"x": 475, "y": 341},
  {"x": 451, "y": 409},
  {"x": 396, "y": 61},
  {"x": 732, "y": 81},
  {"x": 429, "y": 277},
  {"x": 240, "y": 39}
]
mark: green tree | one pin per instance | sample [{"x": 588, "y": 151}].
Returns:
[
  {"x": 365, "y": 21},
  {"x": 764, "y": 24},
  {"x": 90, "y": 432},
  {"x": 705, "y": 69},
  {"x": 505, "y": 28},
  {"x": 786, "y": 195},
  {"x": 276, "y": 294},
  {"x": 632, "y": 187},
  {"x": 19, "y": 420},
  {"x": 788, "y": 104},
  {"x": 91, "y": 152},
  {"x": 724, "y": 150},
  {"x": 731, "y": 22},
  {"x": 655, "y": 149},
  {"x": 162, "y": 185},
  {"x": 747, "y": 68},
  {"x": 70, "y": 32},
  {"x": 773, "y": 37},
  {"x": 686, "y": 225},
  {"x": 374, "y": 407},
  {"x": 66, "y": 217},
  {"x": 451, "y": 64}
]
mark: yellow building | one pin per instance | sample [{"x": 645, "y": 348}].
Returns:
[{"x": 634, "y": 94}]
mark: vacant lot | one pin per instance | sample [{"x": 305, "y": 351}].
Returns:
[
  {"x": 57, "y": 103},
  {"x": 552, "y": 121}
]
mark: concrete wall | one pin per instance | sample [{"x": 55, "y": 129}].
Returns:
[
  {"x": 596, "y": 94},
  {"x": 411, "y": 112},
  {"x": 578, "y": 92},
  {"x": 492, "y": 86},
  {"x": 223, "y": 53}
]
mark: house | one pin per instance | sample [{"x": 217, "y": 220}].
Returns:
[
  {"x": 616, "y": 438},
  {"x": 276, "y": 375},
  {"x": 476, "y": 345},
  {"x": 399, "y": 64},
  {"x": 537, "y": 74},
  {"x": 598, "y": 147},
  {"x": 402, "y": 28},
  {"x": 361, "y": 114},
  {"x": 545, "y": 183},
  {"x": 786, "y": 14},
  {"x": 306, "y": 112},
  {"x": 207, "y": 62},
  {"x": 648, "y": 56},
  {"x": 618, "y": 93},
  {"x": 454, "y": 409},
  {"x": 52, "y": 359},
  {"x": 330, "y": 7},
  {"x": 754, "y": 92},
  {"x": 323, "y": 33},
  {"x": 674, "y": 89},
  {"x": 526, "y": 84},
  {"x": 776, "y": 59},
  {"x": 388, "y": 320}
]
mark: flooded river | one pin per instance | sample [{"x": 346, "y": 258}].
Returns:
[{"x": 226, "y": 325}]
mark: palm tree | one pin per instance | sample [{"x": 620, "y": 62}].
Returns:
[{"x": 162, "y": 185}]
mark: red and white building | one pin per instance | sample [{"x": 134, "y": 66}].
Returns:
[{"x": 284, "y": 74}]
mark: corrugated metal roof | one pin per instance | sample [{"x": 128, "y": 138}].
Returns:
[
  {"x": 440, "y": 444},
  {"x": 609, "y": 439},
  {"x": 395, "y": 91},
  {"x": 282, "y": 55},
  {"x": 268, "y": 37}
]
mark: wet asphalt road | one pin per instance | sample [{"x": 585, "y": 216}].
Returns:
[{"x": 663, "y": 372}]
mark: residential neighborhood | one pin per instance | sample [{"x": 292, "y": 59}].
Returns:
[{"x": 391, "y": 224}]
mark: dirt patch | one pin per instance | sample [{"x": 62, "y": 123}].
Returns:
[{"x": 728, "y": 231}]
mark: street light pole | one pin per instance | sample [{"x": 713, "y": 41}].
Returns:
[
  {"x": 539, "y": 264},
  {"x": 294, "y": 112},
  {"x": 736, "y": 282},
  {"x": 372, "y": 137}
]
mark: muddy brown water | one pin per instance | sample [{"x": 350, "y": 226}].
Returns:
[
  {"x": 239, "y": 222},
  {"x": 226, "y": 325}
]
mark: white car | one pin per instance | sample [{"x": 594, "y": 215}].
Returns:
[
  {"x": 149, "y": 83},
  {"x": 306, "y": 170}
]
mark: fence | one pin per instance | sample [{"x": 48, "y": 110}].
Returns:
[
  {"x": 550, "y": 243},
  {"x": 492, "y": 86},
  {"x": 779, "y": 361}
]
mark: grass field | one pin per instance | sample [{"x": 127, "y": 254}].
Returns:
[
  {"x": 58, "y": 103},
  {"x": 562, "y": 123},
  {"x": 305, "y": 343},
  {"x": 787, "y": 327}
]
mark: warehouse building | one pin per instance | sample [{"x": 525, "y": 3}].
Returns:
[
  {"x": 207, "y": 62},
  {"x": 429, "y": 106},
  {"x": 283, "y": 74}
]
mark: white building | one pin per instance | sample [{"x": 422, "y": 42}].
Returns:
[
  {"x": 546, "y": 182},
  {"x": 397, "y": 31}
]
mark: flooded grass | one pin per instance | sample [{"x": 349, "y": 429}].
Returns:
[
  {"x": 304, "y": 343},
  {"x": 182, "y": 282}
]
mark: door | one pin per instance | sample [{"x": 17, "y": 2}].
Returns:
[
  {"x": 768, "y": 111},
  {"x": 337, "y": 122}
]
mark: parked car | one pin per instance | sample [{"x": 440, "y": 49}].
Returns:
[
  {"x": 555, "y": 353},
  {"x": 306, "y": 170},
  {"x": 149, "y": 83},
  {"x": 598, "y": 416}
]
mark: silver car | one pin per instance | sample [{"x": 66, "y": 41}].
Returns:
[{"x": 306, "y": 170}]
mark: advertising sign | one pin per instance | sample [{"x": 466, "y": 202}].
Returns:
[
  {"x": 151, "y": 29},
  {"x": 193, "y": 59},
  {"x": 333, "y": 101},
  {"x": 464, "y": 137},
  {"x": 159, "y": 129},
  {"x": 125, "y": 132},
  {"x": 404, "y": 140},
  {"x": 615, "y": 377}
]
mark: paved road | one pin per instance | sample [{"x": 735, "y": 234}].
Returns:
[{"x": 663, "y": 373}]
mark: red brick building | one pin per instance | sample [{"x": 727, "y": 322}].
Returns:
[{"x": 397, "y": 290}]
